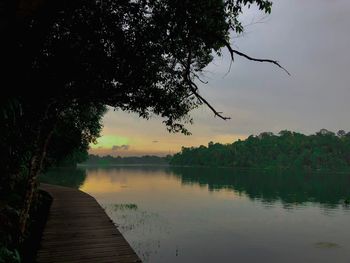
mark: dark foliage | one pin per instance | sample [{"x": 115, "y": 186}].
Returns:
[
  {"x": 65, "y": 176},
  {"x": 110, "y": 160},
  {"x": 323, "y": 150}
]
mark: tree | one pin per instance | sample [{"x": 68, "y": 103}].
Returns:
[
  {"x": 137, "y": 56},
  {"x": 80, "y": 126},
  {"x": 341, "y": 133},
  {"x": 325, "y": 132}
]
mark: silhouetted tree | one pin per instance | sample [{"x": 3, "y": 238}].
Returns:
[
  {"x": 80, "y": 126},
  {"x": 138, "y": 56}
]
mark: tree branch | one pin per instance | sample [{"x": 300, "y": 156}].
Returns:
[
  {"x": 194, "y": 89},
  {"x": 233, "y": 51},
  {"x": 203, "y": 81}
]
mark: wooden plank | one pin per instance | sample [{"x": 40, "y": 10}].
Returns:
[
  {"x": 82, "y": 246},
  {"x": 79, "y": 230}
]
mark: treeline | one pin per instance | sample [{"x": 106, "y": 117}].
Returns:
[
  {"x": 110, "y": 160},
  {"x": 323, "y": 150}
]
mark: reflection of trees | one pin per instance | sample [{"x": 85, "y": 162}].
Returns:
[
  {"x": 129, "y": 170},
  {"x": 269, "y": 186},
  {"x": 146, "y": 169},
  {"x": 69, "y": 177},
  {"x": 287, "y": 186}
]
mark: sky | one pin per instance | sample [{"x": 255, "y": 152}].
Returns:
[{"x": 310, "y": 38}]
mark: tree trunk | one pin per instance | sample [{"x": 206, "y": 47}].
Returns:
[{"x": 43, "y": 138}]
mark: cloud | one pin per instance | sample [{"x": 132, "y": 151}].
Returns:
[
  {"x": 107, "y": 141},
  {"x": 123, "y": 147}
]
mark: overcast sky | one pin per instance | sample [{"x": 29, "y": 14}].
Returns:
[{"x": 310, "y": 38}]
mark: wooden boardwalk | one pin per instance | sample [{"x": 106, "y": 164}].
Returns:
[{"x": 79, "y": 231}]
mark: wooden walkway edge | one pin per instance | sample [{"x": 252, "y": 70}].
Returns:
[{"x": 79, "y": 230}]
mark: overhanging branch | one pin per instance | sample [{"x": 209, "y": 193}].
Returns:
[
  {"x": 194, "y": 89},
  {"x": 233, "y": 51}
]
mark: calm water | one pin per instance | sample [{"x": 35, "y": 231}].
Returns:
[{"x": 222, "y": 215}]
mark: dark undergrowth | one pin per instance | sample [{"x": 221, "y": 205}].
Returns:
[
  {"x": 39, "y": 216},
  {"x": 16, "y": 249}
]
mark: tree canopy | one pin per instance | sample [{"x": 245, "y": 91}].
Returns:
[
  {"x": 142, "y": 56},
  {"x": 323, "y": 150}
]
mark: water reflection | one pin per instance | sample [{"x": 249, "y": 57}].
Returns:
[
  {"x": 290, "y": 187},
  {"x": 70, "y": 177},
  {"x": 173, "y": 214}
]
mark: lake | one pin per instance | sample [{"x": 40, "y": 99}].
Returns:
[{"x": 173, "y": 214}]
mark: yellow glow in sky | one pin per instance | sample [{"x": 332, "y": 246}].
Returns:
[
  {"x": 128, "y": 135},
  {"x": 108, "y": 141}
]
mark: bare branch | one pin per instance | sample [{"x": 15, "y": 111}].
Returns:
[
  {"x": 230, "y": 49},
  {"x": 229, "y": 68},
  {"x": 196, "y": 75},
  {"x": 262, "y": 20},
  {"x": 233, "y": 51},
  {"x": 194, "y": 89}
]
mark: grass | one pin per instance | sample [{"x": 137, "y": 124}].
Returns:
[{"x": 125, "y": 207}]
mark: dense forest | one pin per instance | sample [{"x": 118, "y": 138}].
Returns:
[
  {"x": 110, "y": 160},
  {"x": 323, "y": 150}
]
